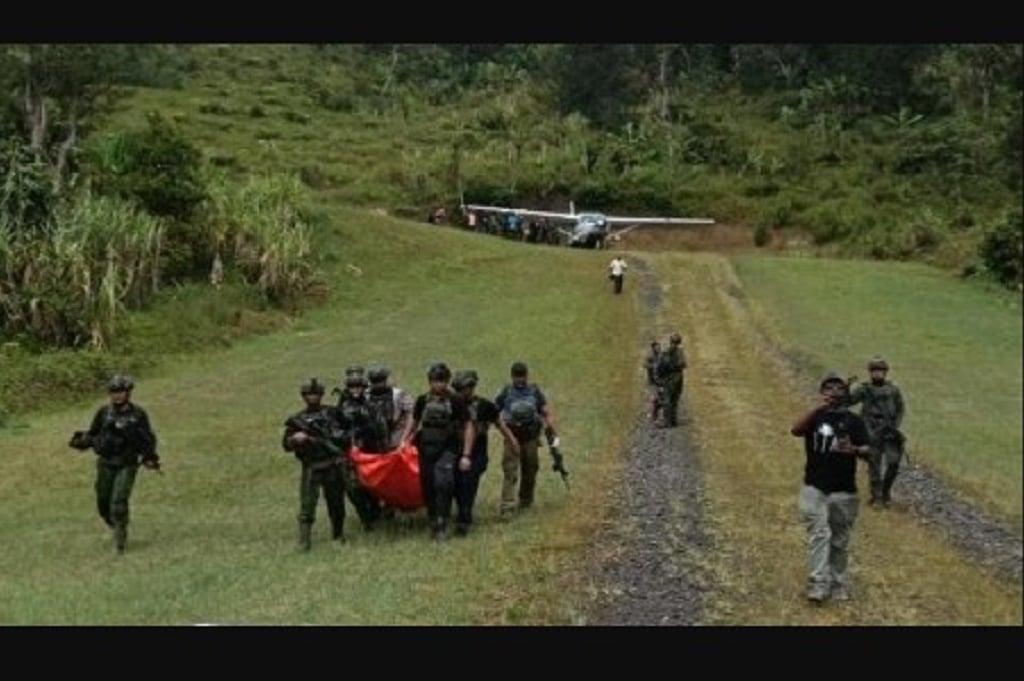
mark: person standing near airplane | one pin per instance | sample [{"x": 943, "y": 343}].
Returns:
[{"x": 617, "y": 272}]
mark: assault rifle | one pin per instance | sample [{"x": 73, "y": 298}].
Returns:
[{"x": 559, "y": 463}]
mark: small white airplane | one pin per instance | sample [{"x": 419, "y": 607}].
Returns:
[{"x": 589, "y": 229}]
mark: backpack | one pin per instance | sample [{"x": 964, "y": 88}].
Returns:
[{"x": 382, "y": 415}]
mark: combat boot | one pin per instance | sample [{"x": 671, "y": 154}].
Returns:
[
  {"x": 305, "y": 536},
  {"x": 338, "y": 531},
  {"x": 876, "y": 495},
  {"x": 120, "y": 538},
  {"x": 887, "y": 482},
  {"x": 439, "y": 532}
]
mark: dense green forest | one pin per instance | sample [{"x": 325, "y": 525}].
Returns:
[{"x": 113, "y": 191}]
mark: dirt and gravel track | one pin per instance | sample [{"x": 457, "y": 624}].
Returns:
[{"x": 648, "y": 566}]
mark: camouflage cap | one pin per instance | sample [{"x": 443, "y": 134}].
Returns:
[
  {"x": 831, "y": 377},
  {"x": 354, "y": 369},
  {"x": 518, "y": 369},
  {"x": 465, "y": 379},
  {"x": 878, "y": 362}
]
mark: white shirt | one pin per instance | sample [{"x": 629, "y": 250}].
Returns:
[{"x": 618, "y": 267}]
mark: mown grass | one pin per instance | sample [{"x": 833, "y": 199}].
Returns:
[
  {"x": 743, "y": 402},
  {"x": 954, "y": 349},
  {"x": 213, "y": 539}
]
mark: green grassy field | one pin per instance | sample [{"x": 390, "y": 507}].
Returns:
[
  {"x": 954, "y": 349},
  {"x": 213, "y": 539}
]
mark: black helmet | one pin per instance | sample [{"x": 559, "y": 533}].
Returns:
[
  {"x": 675, "y": 339},
  {"x": 465, "y": 379},
  {"x": 439, "y": 372},
  {"x": 378, "y": 374},
  {"x": 518, "y": 369},
  {"x": 355, "y": 381},
  {"x": 119, "y": 383},
  {"x": 878, "y": 362},
  {"x": 312, "y": 387}
]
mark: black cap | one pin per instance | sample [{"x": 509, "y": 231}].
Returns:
[{"x": 518, "y": 369}]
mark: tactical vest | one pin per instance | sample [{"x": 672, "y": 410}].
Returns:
[
  {"x": 381, "y": 417},
  {"x": 321, "y": 426},
  {"x": 120, "y": 436},
  {"x": 521, "y": 412},
  {"x": 437, "y": 424},
  {"x": 880, "y": 406}
]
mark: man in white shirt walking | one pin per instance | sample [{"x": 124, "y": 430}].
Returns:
[{"x": 617, "y": 271}]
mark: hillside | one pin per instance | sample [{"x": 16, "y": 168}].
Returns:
[{"x": 694, "y": 525}]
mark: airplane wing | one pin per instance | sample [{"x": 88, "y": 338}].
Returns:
[
  {"x": 613, "y": 220},
  {"x": 522, "y": 211}
]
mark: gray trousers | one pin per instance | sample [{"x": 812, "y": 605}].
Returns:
[{"x": 829, "y": 520}]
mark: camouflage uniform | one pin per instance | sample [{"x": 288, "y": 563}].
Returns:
[
  {"x": 654, "y": 390},
  {"x": 353, "y": 415},
  {"x": 670, "y": 377},
  {"x": 321, "y": 457},
  {"x": 882, "y": 412},
  {"x": 122, "y": 437}
]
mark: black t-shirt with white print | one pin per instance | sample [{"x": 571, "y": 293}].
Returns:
[{"x": 827, "y": 468}]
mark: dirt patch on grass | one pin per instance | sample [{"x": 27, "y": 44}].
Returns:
[{"x": 719, "y": 238}]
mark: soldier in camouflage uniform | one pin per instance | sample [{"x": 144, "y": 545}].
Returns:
[
  {"x": 353, "y": 415},
  {"x": 654, "y": 391},
  {"x": 671, "y": 363},
  {"x": 122, "y": 437},
  {"x": 391, "y": 409},
  {"x": 313, "y": 435},
  {"x": 882, "y": 412}
]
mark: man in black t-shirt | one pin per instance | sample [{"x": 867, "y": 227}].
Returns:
[
  {"x": 834, "y": 438},
  {"x": 483, "y": 413}
]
